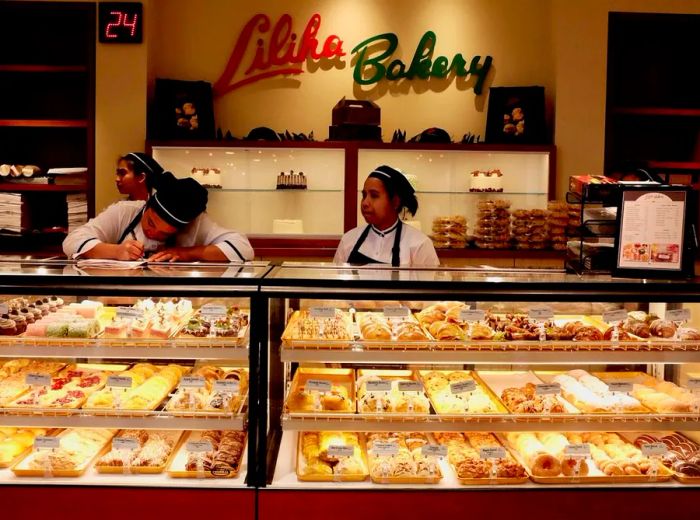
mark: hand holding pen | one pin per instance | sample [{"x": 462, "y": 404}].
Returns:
[{"x": 130, "y": 249}]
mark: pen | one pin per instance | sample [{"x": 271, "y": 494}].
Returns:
[{"x": 133, "y": 235}]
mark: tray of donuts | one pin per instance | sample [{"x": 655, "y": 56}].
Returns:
[
  {"x": 679, "y": 453},
  {"x": 399, "y": 392},
  {"x": 394, "y": 325},
  {"x": 319, "y": 327},
  {"x": 479, "y": 458},
  {"x": 583, "y": 458},
  {"x": 321, "y": 390}
]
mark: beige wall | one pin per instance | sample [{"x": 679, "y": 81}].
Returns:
[{"x": 560, "y": 44}]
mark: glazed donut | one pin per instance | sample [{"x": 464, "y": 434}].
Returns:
[{"x": 544, "y": 465}]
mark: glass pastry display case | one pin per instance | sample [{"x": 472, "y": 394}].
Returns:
[
  {"x": 386, "y": 381},
  {"x": 134, "y": 377}
]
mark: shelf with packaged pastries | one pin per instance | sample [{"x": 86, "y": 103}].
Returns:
[
  {"x": 396, "y": 392},
  {"x": 610, "y": 458},
  {"x": 305, "y": 328},
  {"x": 682, "y": 455},
  {"x": 141, "y": 452},
  {"x": 223, "y": 460},
  {"x": 224, "y": 393}
]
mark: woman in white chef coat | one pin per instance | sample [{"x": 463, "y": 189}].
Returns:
[
  {"x": 386, "y": 239},
  {"x": 137, "y": 175},
  {"x": 171, "y": 226}
]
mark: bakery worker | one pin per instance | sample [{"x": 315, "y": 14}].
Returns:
[
  {"x": 385, "y": 239},
  {"x": 171, "y": 226},
  {"x": 137, "y": 175}
]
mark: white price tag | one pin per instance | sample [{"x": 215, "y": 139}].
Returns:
[
  {"x": 678, "y": 315},
  {"x": 3, "y": 308},
  {"x": 578, "y": 450},
  {"x": 434, "y": 450},
  {"x": 410, "y": 386},
  {"x": 213, "y": 311},
  {"x": 548, "y": 389},
  {"x": 652, "y": 449},
  {"x": 129, "y": 312},
  {"x": 199, "y": 446},
  {"x": 125, "y": 443},
  {"x": 378, "y": 386},
  {"x": 227, "y": 385},
  {"x": 471, "y": 315},
  {"x": 462, "y": 387},
  {"x": 38, "y": 379},
  {"x": 318, "y": 385},
  {"x": 47, "y": 443},
  {"x": 322, "y": 312},
  {"x": 492, "y": 452},
  {"x": 693, "y": 383},
  {"x": 119, "y": 381},
  {"x": 396, "y": 312},
  {"x": 192, "y": 382},
  {"x": 340, "y": 450},
  {"x": 385, "y": 448},
  {"x": 620, "y": 386},
  {"x": 615, "y": 316},
  {"x": 541, "y": 312}
]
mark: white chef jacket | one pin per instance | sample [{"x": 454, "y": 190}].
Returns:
[
  {"x": 415, "y": 248},
  {"x": 108, "y": 227}
]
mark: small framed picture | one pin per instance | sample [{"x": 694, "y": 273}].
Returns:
[
  {"x": 182, "y": 110},
  {"x": 655, "y": 232},
  {"x": 516, "y": 115}
]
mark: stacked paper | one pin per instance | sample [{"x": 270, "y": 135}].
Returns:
[
  {"x": 12, "y": 205},
  {"x": 77, "y": 210}
]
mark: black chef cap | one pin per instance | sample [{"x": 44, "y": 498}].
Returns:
[
  {"x": 262, "y": 133},
  {"x": 396, "y": 183},
  {"x": 179, "y": 201},
  {"x": 148, "y": 166},
  {"x": 432, "y": 135}
]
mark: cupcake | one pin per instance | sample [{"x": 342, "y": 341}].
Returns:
[
  {"x": 20, "y": 321},
  {"x": 58, "y": 302},
  {"x": 29, "y": 316},
  {"x": 36, "y": 311},
  {"x": 51, "y": 306},
  {"x": 43, "y": 307},
  {"x": 8, "y": 327}
]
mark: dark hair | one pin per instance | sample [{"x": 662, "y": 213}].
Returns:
[
  {"x": 395, "y": 183},
  {"x": 139, "y": 169}
]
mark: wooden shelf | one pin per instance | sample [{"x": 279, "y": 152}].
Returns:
[
  {"x": 657, "y": 111},
  {"x": 66, "y": 188},
  {"x": 20, "y": 67},
  {"x": 675, "y": 165},
  {"x": 45, "y": 123}
]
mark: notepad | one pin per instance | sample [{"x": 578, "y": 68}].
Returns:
[{"x": 102, "y": 263}]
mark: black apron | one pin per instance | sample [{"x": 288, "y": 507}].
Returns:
[
  {"x": 357, "y": 258},
  {"x": 169, "y": 242}
]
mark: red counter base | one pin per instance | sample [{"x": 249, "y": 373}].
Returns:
[
  {"x": 118, "y": 503},
  {"x": 553, "y": 504}
]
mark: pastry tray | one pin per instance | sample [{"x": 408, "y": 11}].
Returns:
[
  {"x": 179, "y": 461},
  {"x": 391, "y": 375},
  {"x": 680, "y": 477},
  {"x": 640, "y": 378},
  {"x": 24, "y": 452},
  {"x": 240, "y": 340},
  {"x": 337, "y": 376},
  {"x": 356, "y": 477},
  {"x": 288, "y": 335},
  {"x": 497, "y": 381},
  {"x": 407, "y": 344},
  {"x": 495, "y": 401},
  {"x": 142, "y": 470}
]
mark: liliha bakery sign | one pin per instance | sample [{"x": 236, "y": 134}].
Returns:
[{"x": 279, "y": 51}]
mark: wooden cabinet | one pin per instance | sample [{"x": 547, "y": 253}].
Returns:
[{"x": 47, "y": 108}]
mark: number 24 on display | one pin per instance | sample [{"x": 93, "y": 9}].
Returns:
[
  {"x": 121, "y": 19},
  {"x": 121, "y": 22}
]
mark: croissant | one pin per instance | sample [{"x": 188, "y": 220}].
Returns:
[{"x": 663, "y": 328}]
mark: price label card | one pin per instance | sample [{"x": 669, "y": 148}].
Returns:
[
  {"x": 615, "y": 316},
  {"x": 318, "y": 385},
  {"x": 38, "y": 379},
  {"x": 119, "y": 381},
  {"x": 471, "y": 315},
  {"x": 410, "y": 386},
  {"x": 462, "y": 387},
  {"x": 227, "y": 385},
  {"x": 129, "y": 312},
  {"x": 192, "y": 382},
  {"x": 125, "y": 443},
  {"x": 396, "y": 312},
  {"x": 548, "y": 389},
  {"x": 693, "y": 383},
  {"x": 199, "y": 446},
  {"x": 3, "y": 308},
  {"x": 578, "y": 450},
  {"x": 434, "y": 450},
  {"x": 541, "y": 312},
  {"x": 47, "y": 443},
  {"x": 340, "y": 450},
  {"x": 654, "y": 449},
  {"x": 385, "y": 448},
  {"x": 620, "y": 386},
  {"x": 322, "y": 312},
  {"x": 492, "y": 452},
  {"x": 378, "y": 386},
  {"x": 213, "y": 311},
  {"x": 678, "y": 315}
]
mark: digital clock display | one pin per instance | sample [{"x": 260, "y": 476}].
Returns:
[{"x": 120, "y": 22}]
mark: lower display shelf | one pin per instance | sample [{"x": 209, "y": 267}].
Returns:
[{"x": 488, "y": 422}]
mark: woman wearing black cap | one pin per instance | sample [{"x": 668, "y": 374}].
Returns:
[
  {"x": 171, "y": 226},
  {"x": 137, "y": 175},
  {"x": 385, "y": 239}
]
